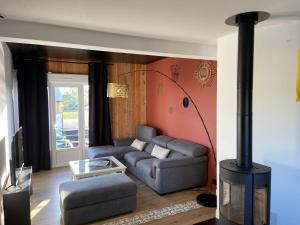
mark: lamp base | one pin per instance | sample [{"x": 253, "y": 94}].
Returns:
[
  {"x": 207, "y": 200},
  {"x": 209, "y": 222}
]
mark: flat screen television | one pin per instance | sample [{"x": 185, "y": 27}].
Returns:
[{"x": 17, "y": 157}]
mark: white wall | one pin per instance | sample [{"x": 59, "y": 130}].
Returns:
[
  {"x": 45, "y": 34},
  {"x": 6, "y": 114},
  {"x": 276, "y": 114}
]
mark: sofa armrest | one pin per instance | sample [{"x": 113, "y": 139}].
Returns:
[
  {"x": 185, "y": 161},
  {"x": 179, "y": 173},
  {"x": 123, "y": 141}
]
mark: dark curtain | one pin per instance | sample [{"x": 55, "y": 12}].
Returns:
[
  {"x": 33, "y": 113},
  {"x": 99, "y": 118}
]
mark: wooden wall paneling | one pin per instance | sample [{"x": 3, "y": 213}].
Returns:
[
  {"x": 113, "y": 104},
  {"x": 142, "y": 96},
  {"x": 63, "y": 67},
  {"x": 127, "y": 113},
  {"x": 125, "y": 103}
]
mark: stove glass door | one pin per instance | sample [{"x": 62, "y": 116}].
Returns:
[
  {"x": 232, "y": 202},
  {"x": 260, "y": 204}
]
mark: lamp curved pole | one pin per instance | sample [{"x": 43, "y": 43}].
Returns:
[{"x": 189, "y": 96}]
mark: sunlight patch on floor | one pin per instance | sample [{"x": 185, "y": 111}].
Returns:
[{"x": 39, "y": 207}]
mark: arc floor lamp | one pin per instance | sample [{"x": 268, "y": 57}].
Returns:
[{"x": 121, "y": 90}]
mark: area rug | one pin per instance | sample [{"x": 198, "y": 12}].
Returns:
[{"x": 156, "y": 214}]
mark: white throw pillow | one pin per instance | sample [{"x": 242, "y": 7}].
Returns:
[
  {"x": 139, "y": 145},
  {"x": 160, "y": 152}
]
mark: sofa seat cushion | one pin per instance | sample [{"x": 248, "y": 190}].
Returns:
[
  {"x": 94, "y": 152},
  {"x": 133, "y": 157},
  {"x": 145, "y": 167},
  {"x": 109, "y": 150},
  {"x": 94, "y": 190}
]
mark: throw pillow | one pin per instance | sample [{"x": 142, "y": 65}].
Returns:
[
  {"x": 160, "y": 152},
  {"x": 139, "y": 145}
]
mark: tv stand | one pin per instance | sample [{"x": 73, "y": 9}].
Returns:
[{"x": 16, "y": 199}]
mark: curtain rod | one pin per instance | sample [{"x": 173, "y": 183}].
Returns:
[{"x": 67, "y": 61}]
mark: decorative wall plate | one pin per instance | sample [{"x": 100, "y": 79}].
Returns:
[
  {"x": 175, "y": 72},
  {"x": 159, "y": 88},
  {"x": 205, "y": 73},
  {"x": 170, "y": 110}
]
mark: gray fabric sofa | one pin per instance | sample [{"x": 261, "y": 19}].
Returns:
[
  {"x": 122, "y": 146},
  {"x": 94, "y": 198},
  {"x": 185, "y": 167}
]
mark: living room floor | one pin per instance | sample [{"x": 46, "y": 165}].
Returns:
[{"x": 45, "y": 209}]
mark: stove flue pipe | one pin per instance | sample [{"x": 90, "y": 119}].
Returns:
[{"x": 245, "y": 23}]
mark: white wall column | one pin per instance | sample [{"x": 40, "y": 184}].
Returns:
[{"x": 276, "y": 114}]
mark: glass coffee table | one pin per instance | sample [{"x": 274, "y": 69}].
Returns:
[{"x": 95, "y": 167}]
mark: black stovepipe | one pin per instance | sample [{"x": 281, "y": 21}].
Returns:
[
  {"x": 244, "y": 89},
  {"x": 245, "y": 22}
]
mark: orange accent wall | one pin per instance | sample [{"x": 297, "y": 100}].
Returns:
[{"x": 165, "y": 110}]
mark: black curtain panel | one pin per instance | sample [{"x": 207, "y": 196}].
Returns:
[
  {"x": 99, "y": 118},
  {"x": 33, "y": 113}
]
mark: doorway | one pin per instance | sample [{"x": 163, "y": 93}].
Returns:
[{"x": 69, "y": 111}]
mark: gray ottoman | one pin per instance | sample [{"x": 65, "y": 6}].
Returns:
[{"x": 95, "y": 198}]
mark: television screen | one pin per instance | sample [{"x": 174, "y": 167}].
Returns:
[
  {"x": 17, "y": 158},
  {"x": 12, "y": 163},
  {"x": 19, "y": 148}
]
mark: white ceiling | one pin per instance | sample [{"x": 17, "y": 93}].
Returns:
[{"x": 196, "y": 21}]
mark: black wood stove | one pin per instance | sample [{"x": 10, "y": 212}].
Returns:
[{"x": 244, "y": 186}]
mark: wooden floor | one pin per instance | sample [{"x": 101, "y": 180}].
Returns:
[{"x": 45, "y": 208}]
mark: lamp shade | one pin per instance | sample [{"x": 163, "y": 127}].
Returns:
[{"x": 115, "y": 90}]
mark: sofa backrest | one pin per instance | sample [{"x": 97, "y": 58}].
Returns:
[
  {"x": 162, "y": 140},
  {"x": 187, "y": 148},
  {"x": 179, "y": 148},
  {"x": 145, "y": 133}
]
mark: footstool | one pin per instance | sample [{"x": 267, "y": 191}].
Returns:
[{"x": 95, "y": 198}]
